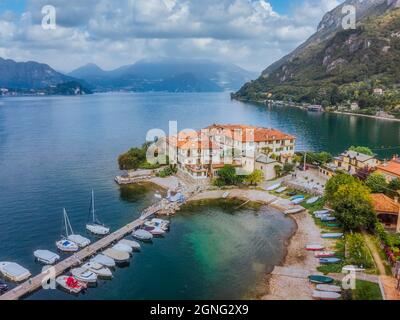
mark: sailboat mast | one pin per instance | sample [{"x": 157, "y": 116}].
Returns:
[
  {"x": 93, "y": 206},
  {"x": 68, "y": 223},
  {"x": 65, "y": 222}
]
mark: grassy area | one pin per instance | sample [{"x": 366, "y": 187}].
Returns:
[{"x": 366, "y": 291}]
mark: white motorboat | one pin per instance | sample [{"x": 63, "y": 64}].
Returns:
[
  {"x": 70, "y": 284},
  {"x": 82, "y": 242},
  {"x": 71, "y": 242},
  {"x": 324, "y": 295},
  {"x": 84, "y": 275},
  {"x": 156, "y": 223},
  {"x": 117, "y": 256},
  {"x": 322, "y": 212},
  {"x": 99, "y": 269},
  {"x": 142, "y": 235},
  {"x": 155, "y": 231},
  {"x": 133, "y": 244},
  {"x": 14, "y": 271},
  {"x": 122, "y": 247},
  {"x": 46, "y": 257},
  {"x": 104, "y": 260},
  {"x": 329, "y": 288},
  {"x": 67, "y": 246},
  {"x": 274, "y": 187},
  {"x": 95, "y": 226}
]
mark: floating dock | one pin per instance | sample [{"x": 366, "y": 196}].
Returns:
[{"x": 78, "y": 258}]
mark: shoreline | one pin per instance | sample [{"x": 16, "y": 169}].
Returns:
[{"x": 275, "y": 286}]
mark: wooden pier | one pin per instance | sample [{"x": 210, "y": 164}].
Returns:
[{"x": 78, "y": 258}]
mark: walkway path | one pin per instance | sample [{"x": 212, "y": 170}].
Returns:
[{"x": 375, "y": 254}]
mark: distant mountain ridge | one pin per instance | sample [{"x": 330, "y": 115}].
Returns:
[
  {"x": 173, "y": 75},
  {"x": 335, "y": 66}
]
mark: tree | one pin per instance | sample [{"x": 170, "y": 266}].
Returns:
[
  {"x": 353, "y": 206},
  {"x": 335, "y": 182},
  {"x": 132, "y": 159},
  {"x": 255, "y": 178},
  {"x": 394, "y": 187},
  {"x": 227, "y": 176},
  {"x": 377, "y": 183},
  {"x": 363, "y": 150},
  {"x": 278, "y": 170},
  {"x": 288, "y": 167}
]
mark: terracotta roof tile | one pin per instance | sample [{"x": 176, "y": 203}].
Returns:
[
  {"x": 392, "y": 167},
  {"x": 383, "y": 203}
]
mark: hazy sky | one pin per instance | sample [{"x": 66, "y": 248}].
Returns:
[{"x": 111, "y": 33}]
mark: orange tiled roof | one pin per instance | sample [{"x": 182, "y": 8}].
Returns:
[
  {"x": 383, "y": 203},
  {"x": 392, "y": 167},
  {"x": 251, "y": 133}
]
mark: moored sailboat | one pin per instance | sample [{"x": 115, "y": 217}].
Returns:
[
  {"x": 71, "y": 242},
  {"x": 95, "y": 226}
]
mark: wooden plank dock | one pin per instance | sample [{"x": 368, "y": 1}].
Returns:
[{"x": 77, "y": 259}]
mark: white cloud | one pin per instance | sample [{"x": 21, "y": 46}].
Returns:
[{"x": 110, "y": 33}]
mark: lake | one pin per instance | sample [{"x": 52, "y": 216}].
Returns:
[{"x": 54, "y": 150}]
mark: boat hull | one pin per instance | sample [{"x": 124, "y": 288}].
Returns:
[{"x": 320, "y": 279}]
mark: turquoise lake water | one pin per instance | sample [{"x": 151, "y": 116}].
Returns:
[{"x": 54, "y": 150}]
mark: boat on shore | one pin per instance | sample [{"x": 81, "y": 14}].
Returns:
[
  {"x": 70, "y": 284},
  {"x": 332, "y": 235},
  {"x": 347, "y": 269},
  {"x": 84, "y": 275},
  {"x": 322, "y": 212},
  {"x": 133, "y": 244},
  {"x": 315, "y": 247},
  {"x": 281, "y": 189},
  {"x": 325, "y": 295},
  {"x": 104, "y": 260},
  {"x": 313, "y": 200},
  {"x": 117, "y": 256},
  {"x": 325, "y": 254},
  {"x": 274, "y": 187},
  {"x": 328, "y": 219},
  {"x": 225, "y": 195},
  {"x": 317, "y": 279},
  {"x": 47, "y": 257},
  {"x": 328, "y": 288},
  {"x": 95, "y": 226},
  {"x": 97, "y": 268},
  {"x": 294, "y": 210},
  {"x": 329, "y": 260},
  {"x": 142, "y": 235},
  {"x": 14, "y": 272}
]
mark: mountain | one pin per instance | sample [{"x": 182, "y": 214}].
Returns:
[
  {"x": 336, "y": 66},
  {"x": 31, "y": 77},
  {"x": 28, "y": 75},
  {"x": 173, "y": 75}
]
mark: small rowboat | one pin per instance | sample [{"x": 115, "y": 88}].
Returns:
[
  {"x": 280, "y": 190},
  {"x": 328, "y": 219},
  {"x": 332, "y": 235},
  {"x": 313, "y": 200},
  {"x": 320, "y": 279},
  {"x": 325, "y": 254},
  {"x": 274, "y": 187},
  {"x": 323, "y": 295},
  {"x": 315, "y": 247},
  {"x": 298, "y": 201},
  {"x": 329, "y": 260},
  {"x": 297, "y": 197},
  {"x": 320, "y": 212},
  {"x": 347, "y": 269},
  {"x": 328, "y": 288},
  {"x": 294, "y": 210},
  {"x": 291, "y": 194},
  {"x": 333, "y": 225}
]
